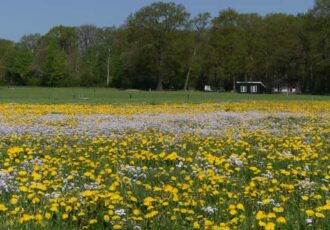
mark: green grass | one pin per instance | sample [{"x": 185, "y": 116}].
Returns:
[{"x": 113, "y": 96}]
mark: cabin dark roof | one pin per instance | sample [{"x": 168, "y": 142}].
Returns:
[{"x": 250, "y": 82}]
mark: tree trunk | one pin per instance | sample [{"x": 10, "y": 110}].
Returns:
[
  {"x": 311, "y": 81},
  {"x": 108, "y": 68},
  {"x": 234, "y": 84},
  {"x": 185, "y": 87},
  {"x": 160, "y": 83},
  {"x": 186, "y": 83},
  {"x": 160, "y": 65}
]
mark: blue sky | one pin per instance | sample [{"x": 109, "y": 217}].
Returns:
[{"x": 19, "y": 17}]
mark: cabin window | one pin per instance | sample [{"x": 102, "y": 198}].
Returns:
[
  {"x": 254, "y": 89},
  {"x": 243, "y": 88}
]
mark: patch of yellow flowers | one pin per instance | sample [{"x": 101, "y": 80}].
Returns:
[{"x": 269, "y": 176}]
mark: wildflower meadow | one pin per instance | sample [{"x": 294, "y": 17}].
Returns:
[{"x": 239, "y": 165}]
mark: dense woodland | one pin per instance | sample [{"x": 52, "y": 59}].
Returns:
[{"x": 161, "y": 46}]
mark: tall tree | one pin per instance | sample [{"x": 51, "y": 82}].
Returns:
[
  {"x": 321, "y": 8},
  {"x": 6, "y": 50},
  {"x": 199, "y": 25},
  {"x": 321, "y": 46},
  {"x": 228, "y": 44},
  {"x": 87, "y": 36},
  {"x": 155, "y": 26},
  {"x": 20, "y": 68},
  {"x": 56, "y": 70}
]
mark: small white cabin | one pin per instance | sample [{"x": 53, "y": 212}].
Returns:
[
  {"x": 285, "y": 89},
  {"x": 207, "y": 88}
]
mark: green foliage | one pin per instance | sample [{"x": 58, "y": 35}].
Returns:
[
  {"x": 155, "y": 28},
  {"x": 161, "y": 46},
  {"x": 20, "y": 65},
  {"x": 55, "y": 69},
  {"x": 6, "y": 50}
]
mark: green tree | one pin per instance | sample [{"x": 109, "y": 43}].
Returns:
[
  {"x": 200, "y": 26},
  {"x": 229, "y": 47},
  {"x": 321, "y": 8},
  {"x": 65, "y": 39},
  {"x": 20, "y": 68},
  {"x": 6, "y": 50},
  {"x": 55, "y": 69},
  {"x": 155, "y": 27},
  {"x": 320, "y": 17}
]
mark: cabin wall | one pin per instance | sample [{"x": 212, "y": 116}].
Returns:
[{"x": 260, "y": 89}]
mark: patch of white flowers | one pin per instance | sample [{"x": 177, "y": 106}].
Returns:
[
  {"x": 120, "y": 212},
  {"x": 6, "y": 183},
  {"x": 209, "y": 210},
  {"x": 234, "y": 160}
]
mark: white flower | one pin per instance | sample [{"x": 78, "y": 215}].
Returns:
[
  {"x": 209, "y": 210},
  {"x": 120, "y": 212},
  {"x": 180, "y": 164},
  {"x": 236, "y": 161}
]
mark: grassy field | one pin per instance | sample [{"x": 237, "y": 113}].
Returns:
[{"x": 105, "y": 96}]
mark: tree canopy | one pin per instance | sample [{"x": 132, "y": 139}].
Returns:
[{"x": 161, "y": 46}]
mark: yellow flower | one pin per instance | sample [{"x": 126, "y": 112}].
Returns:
[
  {"x": 35, "y": 200},
  {"x": 148, "y": 201},
  {"x": 133, "y": 199},
  {"x": 281, "y": 220},
  {"x": 15, "y": 211},
  {"x": 260, "y": 215},
  {"x": 36, "y": 176},
  {"x": 72, "y": 200},
  {"x": 65, "y": 216},
  {"x": 319, "y": 215},
  {"x": 232, "y": 206},
  {"x": 48, "y": 215},
  {"x": 265, "y": 201},
  {"x": 22, "y": 173},
  {"x": 172, "y": 156},
  {"x": 136, "y": 212},
  {"x": 151, "y": 214},
  {"x": 38, "y": 217},
  {"x": 305, "y": 198},
  {"x": 13, "y": 200},
  {"x": 233, "y": 212},
  {"x": 270, "y": 226},
  {"x": 240, "y": 206},
  {"x": 208, "y": 223},
  {"x": 106, "y": 218},
  {"x": 309, "y": 212},
  {"x": 23, "y": 188},
  {"x": 3, "y": 207},
  {"x": 196, "y": 225},
  {"x": 278, "y": 209},
  {"x": 25, "y": 218},
  {"x": 87, "y": 193},
  {"x": 54, "y": 208},
  {"x": 41, "y": 187},
  {"x": 271, "y": 215},
  {"x": 93, "y": 221}
]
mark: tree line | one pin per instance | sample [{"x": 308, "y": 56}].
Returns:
[{"x": 161, "y": 46}]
